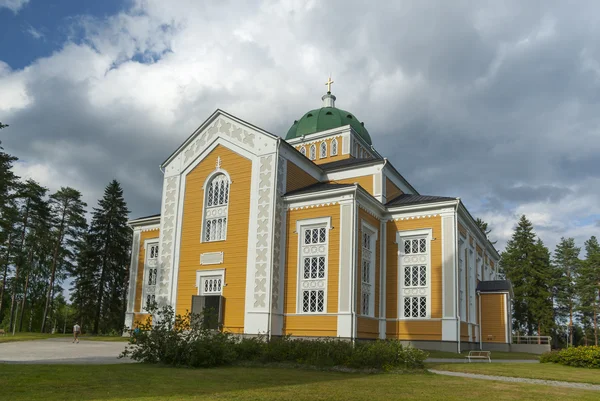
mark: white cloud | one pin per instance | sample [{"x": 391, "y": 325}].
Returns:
[{"x": 13, "y": 5}]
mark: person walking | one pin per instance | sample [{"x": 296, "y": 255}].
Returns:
[{"x": 76, "y": 332}]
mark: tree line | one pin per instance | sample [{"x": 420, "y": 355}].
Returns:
[
  {"x": 555, "y": 294},
  {"x": 47, "y": 244}
]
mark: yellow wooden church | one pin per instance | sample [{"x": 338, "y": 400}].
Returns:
[{"x": 314, "y": 235}]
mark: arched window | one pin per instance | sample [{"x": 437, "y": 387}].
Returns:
[
  {"x": 334, "y": 146},
  {"x": 313, "y": 152},
  {"x": 215, "y": 211},
  {"x": 323, "y": 149},
  {"x": 303, "y": 150}
]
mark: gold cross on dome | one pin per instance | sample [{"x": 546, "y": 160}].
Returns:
[{"x": 328, "y": 83}]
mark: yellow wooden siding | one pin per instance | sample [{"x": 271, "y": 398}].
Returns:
[
  {"x": 374, "y": 222},
  {"x": 493, "y": 318},
  {"x": 479, "y": 250},
  {"x": 464, "y": 331},
  {"x": 391, "y": 190},
  {"x": 141, "y": 318},
  {"x": 297, "y": 178},
  {"x": 367, "y": 327},
  {"x": 234, "y": 248},
  {"x": 329, "y": 158},
  {"x": 311, "y": 322},
  {"x": 435, "y": 223},
  {"x": 365, "y": 181},
  {"x": 313, "y": 325},
  {"x": 139, "y": 280},
  {"x": 425, "y": 330}
]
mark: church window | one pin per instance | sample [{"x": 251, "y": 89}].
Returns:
[
  {"x": 150, "y": 275},
  {"x": 323, "y": 148},
  {"x": 334, "y": 147},
  {"x": 313, "y": 152},
  {"x": 312, "y": 269},
  {"x": 216, "y": 205},
  {"x": 303, "y": 150},
  {"x": 414, "y": 273},
  {"x": 368, "y": 271}
]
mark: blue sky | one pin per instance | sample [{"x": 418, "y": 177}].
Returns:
[
  {"x": 41, "y": 27},
  {"x": 493, "y": 102}
]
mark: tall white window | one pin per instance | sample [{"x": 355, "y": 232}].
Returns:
[
  {"x": 368, "y": 272},
  {"x": 312, "y": 271},
  {"x": 313, "y": 152},
  {"x": 150, "y": 274},
  {"x": 216, "y": 205},
  {"x": 323, "y": 150},
  {"x": 303, "y": 150},
  {"x": 334, "y": 147},
  {"x": 415, "y": 272}
]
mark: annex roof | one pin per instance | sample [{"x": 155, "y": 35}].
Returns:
[
  {"x": 318, "y": 187},
  {"x": 408, "y": 199},
  {"x": 495, "y": 286}
]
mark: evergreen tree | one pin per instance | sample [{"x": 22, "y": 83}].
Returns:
[
  {"x": 566, "y": 259},
  {"x": 68, "y": 228},
  {"x": 525, "y": 262},
  {"x": 483, "y": 226},
  {"x": 30, "y": 197},
  {"x": 588, "y": 287},
  {"x": 104, "y": 262},
  {"x": 8, "y": 218}
]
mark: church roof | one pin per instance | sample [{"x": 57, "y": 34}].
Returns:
[
  {"x": 494, "y": 286},
  {"x": 408, "y": 199},
  {"x": 351, "y": 161},
  {"x": 318, "y": 187},
  {"x": 326, "y": 118}
]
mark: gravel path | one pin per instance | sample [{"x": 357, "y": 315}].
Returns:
[{"x": 582, "y": 386}]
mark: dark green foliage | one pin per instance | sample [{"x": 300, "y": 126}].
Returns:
[
  {"x": 101, "y": 274},
  {"x": 582, "y": 357},
  {"x": 483, "y": 226},
  {"x": 588, "y": 289},
  {"x": 566, "y": 262},
  {"x": 182, "y": 341},
  {"x": 526, "y": 263}
]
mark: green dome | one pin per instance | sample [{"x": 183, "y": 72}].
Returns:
[{"x": 325, "y": 118}]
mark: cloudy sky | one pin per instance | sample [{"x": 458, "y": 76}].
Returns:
[{"x": 495, "y": 102}]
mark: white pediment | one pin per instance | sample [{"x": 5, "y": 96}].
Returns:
[{"x": 220, "y": 126}]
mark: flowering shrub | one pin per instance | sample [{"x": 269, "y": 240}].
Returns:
[
  {"x": 584, "y": 357},
  {"x": 186, "y": 341}
]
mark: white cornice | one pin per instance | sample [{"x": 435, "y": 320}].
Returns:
[
  {"x": 466, "y": 219},
  {"x": 145, "y": 224}
]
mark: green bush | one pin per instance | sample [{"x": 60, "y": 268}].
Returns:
[
  {"x": 583, "y": 357},
  {"x": 186, "y": 341}
]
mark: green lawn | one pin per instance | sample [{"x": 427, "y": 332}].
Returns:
[
  {"x": 29, "y": 336},
  {"x": 545, "y": 371},
  {"x": 143, "y": 382},
  {"x": 495, "y": 355},
  {"x": 104, "y": 338}
]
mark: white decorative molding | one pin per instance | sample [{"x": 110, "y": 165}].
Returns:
[
  {"x": 313, "y": 206},
  {"x": 153, "y": 227},
  {"x": 424, "y": 216},
  {"x": 167, "y": 237},
  {"x": 278, "y": 233},
  {"x": 211, "y": 258}
]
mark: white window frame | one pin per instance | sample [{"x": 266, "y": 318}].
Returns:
[
  {"x": 216, "y": 212},
  {"x": 313, "y": 152},
  {"x": 323, "y": 150},
  {"x": 202, "y": 275},
  {"x": 366, "y": 228},
  {"x": 334, "y": 147},
  {"x": 426, "y": 290},
  {"x": 301, "y": 225},
  {"x": 149, "y": 264},
  {"x": 303, "y": 150}
]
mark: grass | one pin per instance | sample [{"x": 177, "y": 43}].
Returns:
[
  {"x": 545, "y": 371},
  {"x": 145, "y": 382},
  {"x": 105, "y": 338},
  {"x": 495, "y": 355}
]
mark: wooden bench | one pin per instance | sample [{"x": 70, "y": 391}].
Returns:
[
  {"x": 2, "y": 332},
  {"x": 479, "y": 355}
]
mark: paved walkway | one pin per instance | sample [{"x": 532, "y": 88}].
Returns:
[
  {"x": 463, "y": 360},
  {"x": 62, "y": 350},
  {"x": 582, "y": 386}
]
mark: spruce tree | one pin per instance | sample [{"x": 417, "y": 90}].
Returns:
[
  {"x": 105, "y": 260},
  {"x": 68, "y": 228},
  {"x": 566, "y": 260},
  {"x": 483, "y": 226},
  {"x": 588, "y": 287}
]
